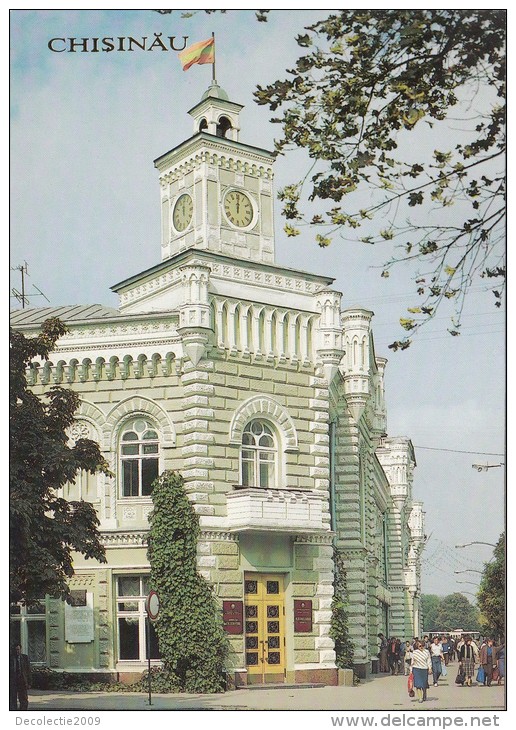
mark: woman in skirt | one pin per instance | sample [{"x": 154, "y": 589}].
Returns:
[
  {"x": 468, "y": 657},
  {"x": 421, "y": 664}
]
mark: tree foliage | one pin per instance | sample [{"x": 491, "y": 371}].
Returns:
[
  {"x": 44, "y": 528},
  {"x": 367, "y": 79},
  {"x": 491, "y": 593},
  {"x": 339, "y": 630},
  {"x": 450, "y": 612},
  {"x": 192, "y": 642},
  {"x": 429, "y": 606}
]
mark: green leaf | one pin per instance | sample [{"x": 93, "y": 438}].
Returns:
[
  {"x": 407, "y": 324},
  {"x": 322, "y": 241}
]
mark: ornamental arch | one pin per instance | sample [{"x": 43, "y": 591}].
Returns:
[{"x": 261, "y": 406}]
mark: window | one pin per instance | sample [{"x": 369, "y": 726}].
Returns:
[
  {"x": 132, "y": 591},
  {"x": 223, "y": 127},
  {"x": 29, "y": 629},
  {"x": 139, "y": 457},
  {"x": 258, "y": 456}
]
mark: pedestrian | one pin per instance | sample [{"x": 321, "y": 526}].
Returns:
[
  {"x": 408, "y": 657},
  {"x": 384, "y": 665},
  {"x": 19, "y": 679},
  {"x": 393, "y": 654},
  {"x": 401, "y": 657},
  {"x": 453, "y": 648},
  {"x": 501, "y": 661},
  {"x": 468, "y": 657},
  {"x": 421, "y": 665},
  {"x": 488, "y": 659},
  {"x": 436, "y": 652},
  {"x": 445, "y": 643}
]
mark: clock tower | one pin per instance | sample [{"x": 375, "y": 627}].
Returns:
[{"x": 216, "y": 192}]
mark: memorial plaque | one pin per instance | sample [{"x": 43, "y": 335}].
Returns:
[
  {"x": 302, "y": 616},
  {"x": 79, "y": 626},
  {"x": 233, "y": 616}
]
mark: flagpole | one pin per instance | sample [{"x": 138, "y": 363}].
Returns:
[{"x": 213, "y": 70}]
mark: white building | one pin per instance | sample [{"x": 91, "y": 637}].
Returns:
[{"x": 257, "y": 384}]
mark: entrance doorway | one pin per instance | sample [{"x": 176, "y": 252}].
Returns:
[{"x": 264, "y": 602}]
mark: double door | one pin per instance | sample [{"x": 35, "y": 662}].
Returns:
[{"x": 264, "y": 605}]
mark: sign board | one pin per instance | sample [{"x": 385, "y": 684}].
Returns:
[
  {"x": 302, "y": 616},
  {"x": 79, "y": 624},
  {"x": 152, "y": 605},
  {"x": 233, "y": 617}
]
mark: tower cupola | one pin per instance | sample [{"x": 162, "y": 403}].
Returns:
[{"x": 216, "y": 114}]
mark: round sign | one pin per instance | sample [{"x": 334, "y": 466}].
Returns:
[{"x": 152, "y": 605}]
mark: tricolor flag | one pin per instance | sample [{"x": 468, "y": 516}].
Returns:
[{"x": 200, "y": 52}]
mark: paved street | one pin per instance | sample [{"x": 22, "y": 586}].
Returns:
[{"x": 379, "y": 692}]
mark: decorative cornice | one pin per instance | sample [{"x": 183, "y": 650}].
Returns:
[
  {"x": 326, "y": 539},
  {"x": 216, "y": 536},
  {"x": 208, "y": 149},
  {"x": 287, "y": 281},
  {"x": 168, "y": 271},
  {"x": 122, "y": 539}
]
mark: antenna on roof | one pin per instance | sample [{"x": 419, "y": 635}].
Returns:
[{"x": 21, "y": 296}]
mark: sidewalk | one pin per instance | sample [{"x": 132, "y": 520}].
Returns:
[{"x": 379, "y": 692}]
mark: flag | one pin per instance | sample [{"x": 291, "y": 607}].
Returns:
[{"x": 200, "y": 52}]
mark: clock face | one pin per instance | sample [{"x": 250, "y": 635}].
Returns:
[
  {"x": 183, "y": 210},
  {"x": 238, "y": 209}
]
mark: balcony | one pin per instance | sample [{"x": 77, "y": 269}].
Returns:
[{"x": 278, "y": 510}]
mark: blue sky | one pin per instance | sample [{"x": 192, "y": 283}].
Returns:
[{"x": 85, "y": 129}]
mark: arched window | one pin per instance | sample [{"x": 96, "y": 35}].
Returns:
[
  {"x": 223, "y": 127},
  {"x": 139, "y": 458},
  {"x": 258, "y": 455}
]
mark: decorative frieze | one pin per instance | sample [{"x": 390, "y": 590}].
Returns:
[{"x": 123, "y": 539}]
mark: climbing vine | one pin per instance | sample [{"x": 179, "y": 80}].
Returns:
[
  {"x": 192, "y": 643},
  {"x": 339, "y": 631}
]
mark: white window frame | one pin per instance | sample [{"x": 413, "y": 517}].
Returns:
[
  {"x": 134, "y": 425},
  {"x": 260, "y": 454},
  {"x": 24, "y": 618},
  {"x": 138, "y": 613}
]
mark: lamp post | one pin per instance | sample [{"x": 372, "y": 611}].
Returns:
[
  {"x": 469, "y": 570},
  {"x": 485, "y": 467},
  {"x": 475, "y": 542}
]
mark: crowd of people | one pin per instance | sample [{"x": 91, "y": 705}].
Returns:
[{"x": 430, "y": 657}]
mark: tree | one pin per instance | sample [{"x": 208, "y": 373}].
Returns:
[
  {"x": 456, "y": 612},
  {"x": 367, "y": 80},
  {"x": 44, "y": 528},
  {"x": 192, "y": 642},
  {"x": 429, "y": 607},
  {"x": 491, "y": 593}
]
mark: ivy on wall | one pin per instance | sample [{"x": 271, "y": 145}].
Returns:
[
  {"x": 191, "y": 639},
  {"x": 339, "y": 630}
]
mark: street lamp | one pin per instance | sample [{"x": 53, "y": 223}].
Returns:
[
  {"x": 469, "y": 570},
  {"x": 463, "y": 582},
  {"x": 485, "y": 467},
  {"x": 475, "y": 542}
]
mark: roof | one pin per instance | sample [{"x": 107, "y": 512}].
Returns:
[
  {"x": 223, "y": 142},
  {"x": 35, "y": 316},
  {"x": 198, "y": 253}
]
